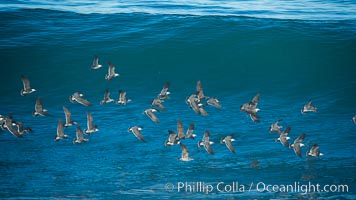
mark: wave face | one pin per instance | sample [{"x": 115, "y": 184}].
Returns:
[
  {"x": 278, "y": 9},
  {"x": 287, "y": 61}
]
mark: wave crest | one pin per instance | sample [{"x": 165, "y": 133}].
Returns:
[{"x": 276, "y": 9}]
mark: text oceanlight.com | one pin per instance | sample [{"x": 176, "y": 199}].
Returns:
[{"x": 236, "y": 187}]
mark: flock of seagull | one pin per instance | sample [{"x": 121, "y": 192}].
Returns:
[{"x": 197, "y": 101}]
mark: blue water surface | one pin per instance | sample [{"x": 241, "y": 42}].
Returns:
[{"x": 288, "y": 51}]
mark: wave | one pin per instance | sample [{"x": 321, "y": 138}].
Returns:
[{"x": 278, "y": 9}]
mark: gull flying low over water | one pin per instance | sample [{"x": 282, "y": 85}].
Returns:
[
  {"x": 185, "y": 153},
  {"x": 158, "y": 103},
  {"x": 91, "y": 128},
  {"x": 164, "y": 92},
  {"x": 96, "y": 64},
  {"x": 180, "y": 130},
  {"x": 21, "y": 129},
  {"x": 111, "y": 72},
  {"x": 297, "y": 144},
  {"x": 192, "y": 100},
  {"x": 79, "y": 136},
  {"x": 123, "y": 100},
  {"x": 314, "y": 151},
  {"x": 206, "y": 142},
  {"x": 354, "y": 119},
  {"x": 39, "y": 109},
  {"x": 189, "y": 133},
  {"x": 283, "y": 137},
  {"x": 213, "y": 101},
  {"x": 26, "y": 86},
  {"x": 60, "y": 131},
  {"x": 251, "y": 108},
  {"x": 76, "y": 96},
  {"x": 68, "y": 116},
  {"x": 228, "y": 141},
  {"x": 195, "y": 104},
  {"x": 275, "y": 127},
  {"x": 308, "y": 108},
  {"x": 150, "y": 113},
  {"x": 8, "y": 125},
  {"x": 136, "y": 130},
  {"x": 106, "y": 98},
  {"x": 172, "y": 139}
]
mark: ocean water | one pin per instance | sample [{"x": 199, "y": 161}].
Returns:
[{"x": 288, "y": 51}]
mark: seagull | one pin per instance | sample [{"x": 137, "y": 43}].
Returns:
[
  {"x": 185, "y": 153},
  {"x": 172, "y": 139},
  {"x": 79, "y": 136},
  {"x": 200, "y": 92},
  {"x": 21, "y": 129},
  {"x": 106, "y": 98},
  {"x": 195, "y": 104},
  {"x": 136, "y": 131},
  {"x": 150, "y": 113},
  {"x": 60, "y": 131},
  {"x": 122, "y": 98},
  {"x": 26, "y": 86},
  {"x": 192, "y": 101},
  {"x": 68, "y": 115},
  {"x": 96, "y": 64},
  {"x": 251, "y": 108},
  {"x": 308, "y": 108},
  {"x": 158, "y": 103},
  {"x": 206, "y": 142},
  {"x": 214, "y": 102},
  {"x": 283, "y": 137},
  {"x": 9, "y": 126},
  {"x": 227, "y": 140},
  {"x": 76, "y": 96},
  {"x": 354, "y": 119},
  {"x": 275, "y": 127},
  {"x": 164, "y": 92},
  {"x": 297, "y": 144},
  {"x": 314, "y": 151},
  {"x": 189, "y": 133},
  {"x": 111, "y": 72},
  {"x": 91, "y": 128},
  {"x": 38, "y": 108},
  {"x": 180, "y": 129}
]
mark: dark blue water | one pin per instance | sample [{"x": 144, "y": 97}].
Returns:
[{"x": 237, "y": 50}]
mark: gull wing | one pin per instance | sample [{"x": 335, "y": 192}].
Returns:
[
  {"x": 25, "y": 82},
  {"x": 185, "y": 152},
  {"x": 67, "y": 114},
  {"x": 90, "y": 121},
  {"x": 256, "y": 99},
  {"x": 180, "y": 129},
  {"x": 38, "y": 106}
]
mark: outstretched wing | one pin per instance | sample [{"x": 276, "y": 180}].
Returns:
[
  {"x": 185, "y": 152},
  {"x": 180, "y": 129},
  {"x": 256, "y": 99},
  {"x": 38, "y": 106},
  {"x": 25, "y": 82},
  {"x": 67, "y": 114},
  {"x": 89, "y": 121}
]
